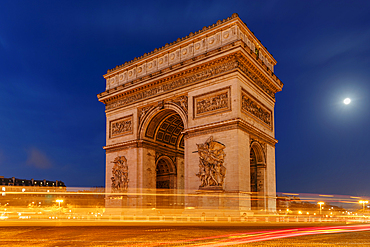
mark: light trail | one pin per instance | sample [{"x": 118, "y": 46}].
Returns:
[
  {"x": 249, "y": 237},
  {"x": 277, "y": 234}
]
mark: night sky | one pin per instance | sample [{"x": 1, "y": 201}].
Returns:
[{"x": 53, "y": 55}]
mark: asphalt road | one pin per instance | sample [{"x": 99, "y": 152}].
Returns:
[{"x": 172, "y": 235}]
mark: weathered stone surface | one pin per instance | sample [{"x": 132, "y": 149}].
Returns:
[{"x": 196, "y": 116}]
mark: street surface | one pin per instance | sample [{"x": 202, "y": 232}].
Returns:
[{"x": 191, "y": 235}]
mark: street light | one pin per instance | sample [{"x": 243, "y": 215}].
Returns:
[
  {"x": 59, "y": 200},
  {"x": 363, "y": 204},
  {"x": 320, "y": 203}
]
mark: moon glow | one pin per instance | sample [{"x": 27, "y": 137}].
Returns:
[{"x": 346, "y": 101}]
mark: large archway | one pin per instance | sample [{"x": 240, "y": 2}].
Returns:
[
  {"x": 257, "y": 177},
  {"x": 164, "y": 130}
]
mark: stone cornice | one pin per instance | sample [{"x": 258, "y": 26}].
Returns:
[
  {"x": 209, "y": 38},
  {"x": 236, "y": 123},
  {"x": 142, "y": 143},
  {"x": 216, "y": 67},
  {"x": 172, "y": 82}
]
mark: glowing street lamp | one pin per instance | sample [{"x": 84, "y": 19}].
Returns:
[
  {"x": 320, "y": 203},
  {"x": 363, "y": 204},
  {"x": 59, "y": 200}
]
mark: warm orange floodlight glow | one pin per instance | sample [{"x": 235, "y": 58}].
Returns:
[
  {"x": 320, "y": 203},
  {"x": 59, "y": 200},
  {"x": 363, "y": 204}
]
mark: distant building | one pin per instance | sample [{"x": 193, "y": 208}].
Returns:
[{"x": 30, "y": 182}]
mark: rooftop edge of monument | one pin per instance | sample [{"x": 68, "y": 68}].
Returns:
[{"x": 191, "y": 35}]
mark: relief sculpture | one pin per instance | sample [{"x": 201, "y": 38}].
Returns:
[
  {"x": 255, "y": 109},
  {"x": 121, "y": 127},
  {"x": 212, "y": 103},
  {"x": 182, "y": 101},
  {"x": 211, "y": 164},
  {"x": 119, "y": 175},
  {"x": 143, "y": 111}
]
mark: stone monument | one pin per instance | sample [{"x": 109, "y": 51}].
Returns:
[{"x": 195, "y": 116}]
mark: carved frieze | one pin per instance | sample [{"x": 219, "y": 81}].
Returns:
[
  {"x": 252, "y": 106},
  {"x": 120, "y": 127},
  {"x": 192, "y": 76},
  {"x": 212, "y": 103},
  {"x": 256, "y": 79},
  {"x": 119, "y": 175},
  {"x": 211, "y": 164},
  {"x": 177, "y": 81}
]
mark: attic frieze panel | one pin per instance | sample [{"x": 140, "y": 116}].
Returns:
[
  {"x": 191, "y": 76},
  {"x": 219, "y": 35}
]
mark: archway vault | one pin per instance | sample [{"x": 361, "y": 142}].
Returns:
[{"x": 164, "y": 125}]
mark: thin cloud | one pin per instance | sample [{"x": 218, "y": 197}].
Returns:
[{"x": 38, "y": 159}]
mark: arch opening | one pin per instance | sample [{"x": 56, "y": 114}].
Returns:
[
  {"x": 166, "y": 128},
  {"x": 257, "y": 178},
  {"x": 164, "y": 131}
]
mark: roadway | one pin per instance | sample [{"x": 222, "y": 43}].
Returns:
[{"x": 186, "y": 235}]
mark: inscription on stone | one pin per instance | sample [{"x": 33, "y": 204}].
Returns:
[
  {"x": 253, "y": 107},
  {"x": 121, "y": 127},
  {"x": 212, "y": 103}
]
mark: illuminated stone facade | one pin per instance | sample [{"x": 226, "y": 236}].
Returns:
[{"x": 196, "y": 113}]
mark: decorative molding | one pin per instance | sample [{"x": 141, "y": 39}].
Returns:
[
  {"x": 120, "y": 127},
  {"x": 184, "y": 49},
  {"x": 189, "y": 77},
  {"x": 212, "y": 103},
  {"x": 211, "y": 164},
  {"x": 252, "y": 107},
  {"x": 143, "y": 111},
  {"x": 221, "y": 126},
  {"x": 119, "y": 175},
  {"x": 181, "y": 101},
  {"x": 143, "y": 143},
  {"x": 219, "y": 66},
  {"x": 262, "y": 83}
]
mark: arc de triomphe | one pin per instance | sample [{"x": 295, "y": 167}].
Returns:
[{"x": 195, "y": 116}]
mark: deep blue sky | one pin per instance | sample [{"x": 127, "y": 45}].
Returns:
[{"x": 53, "y": 55}]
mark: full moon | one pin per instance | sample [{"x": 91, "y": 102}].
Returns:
[{"x": 347, "y": 101}]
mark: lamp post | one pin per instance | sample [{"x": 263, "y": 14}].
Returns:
[
  {"x": 320, "y": 203},
  {"x": 363, "y": 204},
  {"x": 59, "y": 200}
]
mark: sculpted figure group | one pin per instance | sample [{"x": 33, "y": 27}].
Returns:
[
  {"x": 211, "y": 164},
  {"x": 119, "y": 175}
]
